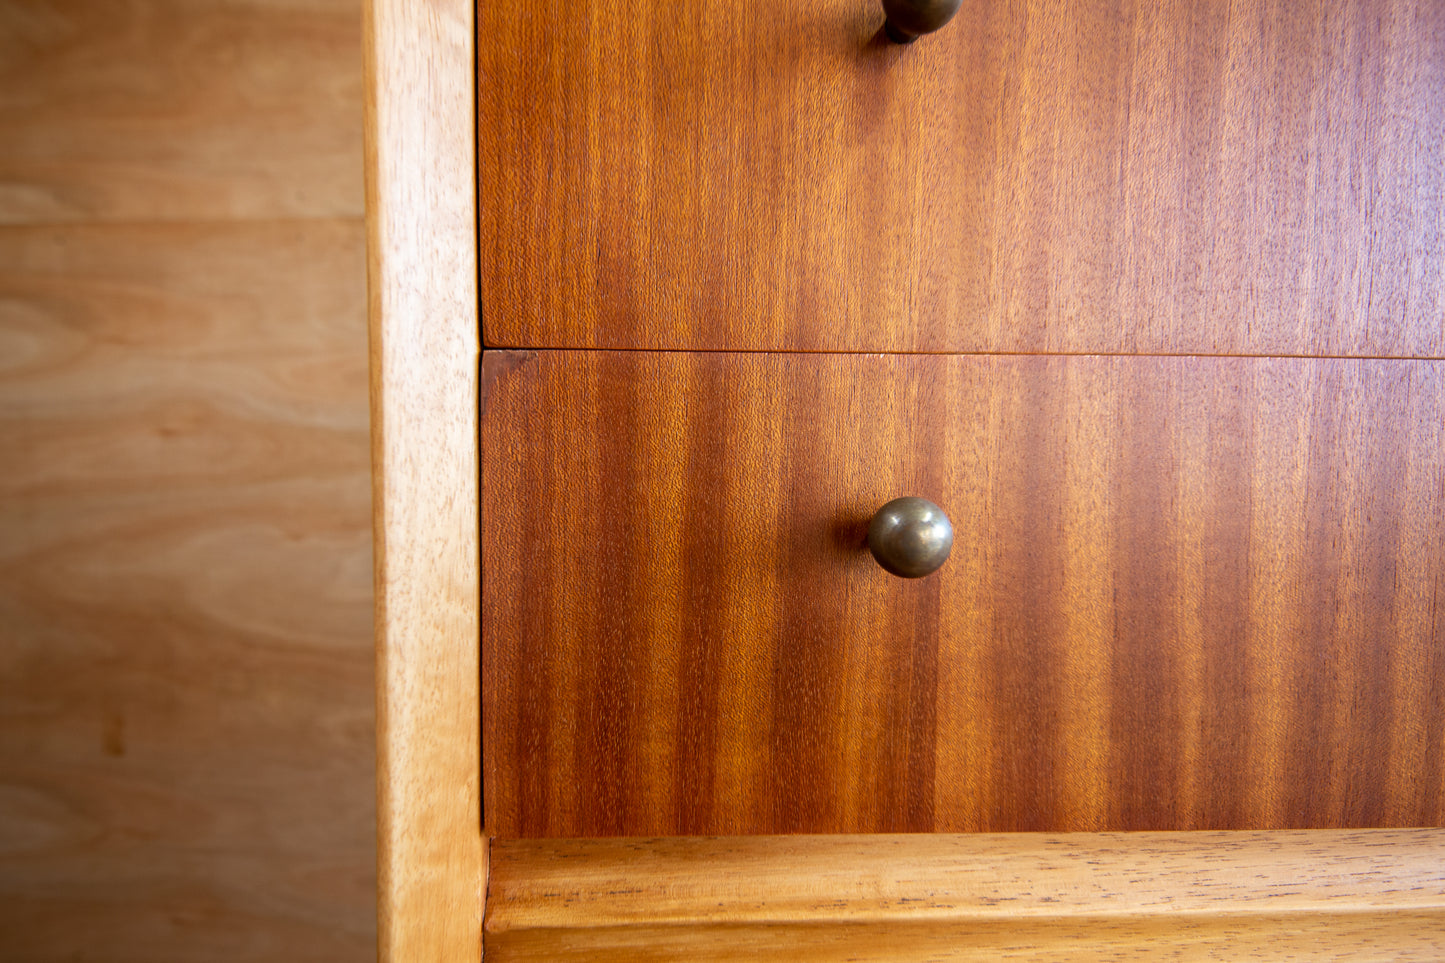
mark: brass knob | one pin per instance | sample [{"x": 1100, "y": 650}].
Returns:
[
  {"x": 910, "y": 19},
  {"x": 910, "y": 537}
]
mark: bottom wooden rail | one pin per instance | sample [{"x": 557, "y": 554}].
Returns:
[{"x": 1341, "y": 895}]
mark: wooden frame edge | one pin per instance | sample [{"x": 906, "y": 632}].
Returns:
[
  {"x": 1285, "y": 894},
  {"x": 424, "y": 324}
]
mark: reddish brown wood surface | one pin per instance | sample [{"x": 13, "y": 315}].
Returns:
[
  {"x": 1191, "y": 176},
  {"x": 1185, "y": 593}
]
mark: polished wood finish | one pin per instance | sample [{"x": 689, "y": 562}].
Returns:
[
  {"x": 425, "y": 344},
  {"x": 1184, "y": 593},
  {"x": 1357, "y": 938},
  {"x": 542, "y": 884},
  {"x": 1367, "y": 895},
  {"x": 1194, "y": 590},
  {"x": 186, "y": 668},
  {"x": 1247, "y": 177}
]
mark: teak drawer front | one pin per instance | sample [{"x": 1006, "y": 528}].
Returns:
[
  {"x": 1184, "y": 593},
  {"x": 1181, "y": 177}
]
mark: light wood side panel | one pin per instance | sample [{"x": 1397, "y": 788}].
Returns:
[
  {"x": 1186, "y": 593},
  {"x": 186, "y": 673},
  {"x": 1215, "y": 177},
  {"x": 425, "y": 346},
  {"x": 179, "y": 110},
  {"x": 1369, "y": 895}
]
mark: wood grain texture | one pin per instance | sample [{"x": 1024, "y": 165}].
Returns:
[
  {"x": 1247, "y": 177},
  {"x": 185, "y": 663},
  {"x": 425, "y": 346},
  {"x": 179, "y": 110},
  {"x": 1370, "y": 895},
  {"x": 1186, "y": 593},
  {"x": 1357, "y": 938}
]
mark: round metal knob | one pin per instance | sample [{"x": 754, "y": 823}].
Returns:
[
  {"x": 910, "y": 537},
  {"x": 910, "y": 19}
]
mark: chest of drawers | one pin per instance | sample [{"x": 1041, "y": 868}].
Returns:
[{"x": 1148, "y": 300}]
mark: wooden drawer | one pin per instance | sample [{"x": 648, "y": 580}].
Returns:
[
  {"x": 1189, "y": 590},
  {"x": 1185, "y": 593},
  {"x": 1190, "y": 176}
]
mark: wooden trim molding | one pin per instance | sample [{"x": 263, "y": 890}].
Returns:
[
  {"x": 425, "y": 343},
  {"x": 1353, "y": 895}
]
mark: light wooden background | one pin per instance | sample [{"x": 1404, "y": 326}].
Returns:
[{"x": 186, "y": 754}]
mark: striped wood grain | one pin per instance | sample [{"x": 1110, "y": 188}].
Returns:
[
  {"x": 1186, "y": 593},
  {"x": 1186, "y": 176}
]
